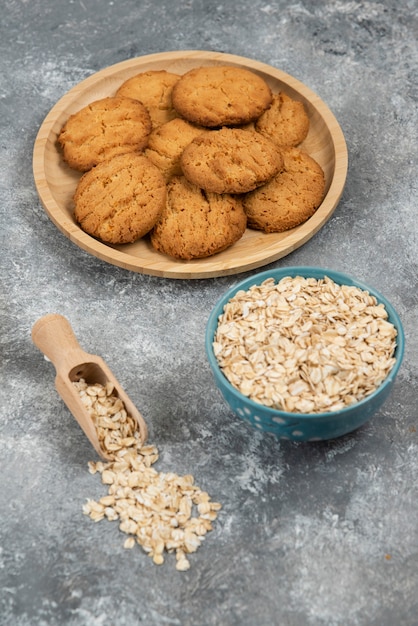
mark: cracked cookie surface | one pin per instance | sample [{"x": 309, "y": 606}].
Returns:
[
  {"x": 120, "y": 200},
  {"x": 166, "y": 145},
  {"x": 289, "y": 198},
  {"x": 230, "y": 160},
  {"x": 103, "y": 129},
  {"x": 196, "y": 224},
  {"x": 285, "y": 122},
  {"x": 153, "y": 89},
  {"x": 221, "y": 95}
]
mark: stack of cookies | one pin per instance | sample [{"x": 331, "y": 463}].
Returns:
[{"x": 191, "y": 161}]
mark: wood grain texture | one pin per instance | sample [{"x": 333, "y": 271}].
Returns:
[
  {"x": 54, "y": 336},
  {"x": 56, "y": 182}
]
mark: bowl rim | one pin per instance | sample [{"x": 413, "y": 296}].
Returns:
[{"x": 314, "y": 272}]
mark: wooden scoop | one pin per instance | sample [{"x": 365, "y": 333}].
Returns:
[{"x": 54, "y": 336}]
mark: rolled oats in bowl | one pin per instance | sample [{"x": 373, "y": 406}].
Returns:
[{"x": 305, "y": 353}]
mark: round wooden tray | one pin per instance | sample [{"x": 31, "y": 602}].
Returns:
[{"x": 56, "y": 182}]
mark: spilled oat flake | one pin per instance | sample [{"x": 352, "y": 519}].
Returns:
[{"x": 161, "y": 511}]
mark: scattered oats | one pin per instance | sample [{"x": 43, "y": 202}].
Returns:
[
  {"x": 162, "y": 512},
  {"x": 158, "y": 559},
  {"x": 129, "y": 543},
  {"x": 108, "y": 477},
  {"x": 111, "y": 514},
  {"x": 92, "y": 467},
  {"x": 203, "y": 507},
  {"x": 182, "y": 565},
  {"x": 107, "y": 500},
  {"x": 305, "y": 345}
]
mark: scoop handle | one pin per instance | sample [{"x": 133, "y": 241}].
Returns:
[{"x": 54, "y": 336}]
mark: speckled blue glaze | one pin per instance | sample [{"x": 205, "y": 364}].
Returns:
[{"x": 302, "y": 426}]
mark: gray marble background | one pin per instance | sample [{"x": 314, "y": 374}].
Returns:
[{"x": 310, "y": 534}]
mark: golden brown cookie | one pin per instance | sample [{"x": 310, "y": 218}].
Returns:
[
  {"x": 153, "y": 89},
  {"x": 285, "y": 122},
  {"x": 230, "y": 160},
  {"x": 103, "y": 129},
  {"x": 290, "y": 197},
  {"x": 221, "y": 95},
  {"x": 166, "y": 145},
  {"x": 196, "y": 224},
  {"x": 120, "y": 199}
]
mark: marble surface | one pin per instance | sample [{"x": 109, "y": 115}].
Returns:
[{"x": 320, "y": 534}]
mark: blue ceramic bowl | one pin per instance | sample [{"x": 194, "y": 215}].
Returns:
[{"x": 302, "y": 426}]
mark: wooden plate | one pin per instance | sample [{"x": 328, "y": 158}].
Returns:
[{"x": 56, "y": 182}]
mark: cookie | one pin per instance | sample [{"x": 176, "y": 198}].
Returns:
[
  {"x": 196, "y": 224},
  {"x": 166, "y": 145},
  {"x": 230, "y": 160},
  {"x": 103, "y": 129},
  {"x": 120, "y": 199},
  {"x": 290, "y": 197},
  {"x": 285, "y": 122},
  {"x": 153, "y": 89},
  {"x": 221, "y": 95}
]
